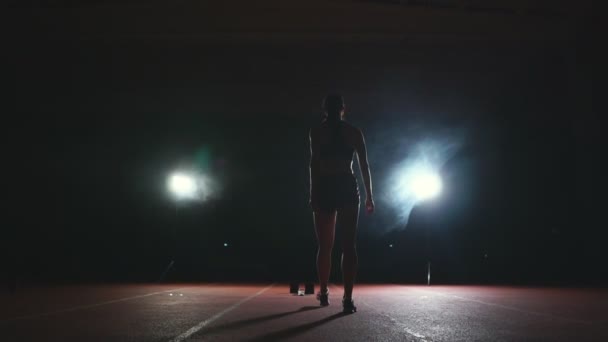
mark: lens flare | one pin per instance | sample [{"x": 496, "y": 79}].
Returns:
[
  {"x": 189, "y": 186},
  {"x": 418, "y": 183},
  {"x": 426, "y": 186},
  {"x": 416, "y": 179},
  {"x": 182, "y": 185}
]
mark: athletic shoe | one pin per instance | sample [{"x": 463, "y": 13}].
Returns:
[
  {"x": 348, "y": 306},
  {"x": 323, "y": 298}
]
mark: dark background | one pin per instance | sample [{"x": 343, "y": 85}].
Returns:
[{"x": 107, "y": 98}]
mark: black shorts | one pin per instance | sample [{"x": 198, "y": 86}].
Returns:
[{"x": 337, "y": 192}]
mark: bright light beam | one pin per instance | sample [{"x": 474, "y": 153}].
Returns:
[
  {"x": 418, "y": 183},
  {"x": 426, "y": 185},
  {"x": 418, "y": 155},
  {"x": 183, "y": 186},
  {"x": 416, "y": 180},
  {"x": 190, "y": 186}
]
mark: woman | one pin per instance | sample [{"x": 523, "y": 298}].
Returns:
[{"x": 334, "y": 194}]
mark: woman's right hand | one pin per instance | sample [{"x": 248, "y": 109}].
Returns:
[{"x": 369, "y": 205}]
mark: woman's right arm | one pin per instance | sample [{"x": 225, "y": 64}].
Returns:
[{"x": 364, "y": 167}]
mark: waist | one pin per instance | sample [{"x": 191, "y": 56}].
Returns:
[
  {"x": 336, "y": 167},
  {"x": 333, "y": 175}
]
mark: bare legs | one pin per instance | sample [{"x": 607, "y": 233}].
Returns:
[
  {"x": 348, "y": 218},
  {"x": 325, "y": 224}
]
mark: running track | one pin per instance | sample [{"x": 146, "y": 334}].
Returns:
[{"x": 267, "y": 312}]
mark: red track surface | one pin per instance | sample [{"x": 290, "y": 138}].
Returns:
[{"x": 196, "y": 312}]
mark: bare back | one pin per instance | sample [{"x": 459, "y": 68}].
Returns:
[
  {"x": 324, "y": 137},
  {"x": 340, "y": 160}
]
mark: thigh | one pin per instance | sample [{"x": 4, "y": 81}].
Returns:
[{"x": 325, "y": 226}]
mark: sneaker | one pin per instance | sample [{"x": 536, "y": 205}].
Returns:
[
  {"x": 348, "y": 306},
  {"x": 323, "y": 298}
]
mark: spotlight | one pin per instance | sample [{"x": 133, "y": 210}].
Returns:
[
  {"x": 417, "y": 183},
  {"x": 426, "y": 185},
  {"x": 183, "y": 186}
]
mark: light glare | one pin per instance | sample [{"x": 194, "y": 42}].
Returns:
[
  {"x": 190, "y": 186},
  {"x": 182, "y": 185},
  {"x": 418, "y": 183},
  {"x": 426, "y": 186}
]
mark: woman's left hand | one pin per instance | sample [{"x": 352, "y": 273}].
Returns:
[{"x": 369, "y": 206}]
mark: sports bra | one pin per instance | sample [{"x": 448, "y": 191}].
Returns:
[{"x": 336, "y": 148}]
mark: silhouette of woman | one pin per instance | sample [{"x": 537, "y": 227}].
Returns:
[{"x": 334, "y": 193}]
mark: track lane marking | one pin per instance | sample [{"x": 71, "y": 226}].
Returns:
[
  {"x": 218, "y": 315},
  {"x": 88, "y": 306}
]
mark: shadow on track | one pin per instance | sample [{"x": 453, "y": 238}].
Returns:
[
  {"x": 297, "y": 330},
  {"x": 255, "y": 320}
]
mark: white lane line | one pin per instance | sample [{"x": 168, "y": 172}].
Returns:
[
  {"x": 89, "y": 306},
  {"x": 421, "y": 337},
  {"x": 218, "y": 315},
  {"x": 511, "y": 308},
  {"x": 406, "y": 329}
]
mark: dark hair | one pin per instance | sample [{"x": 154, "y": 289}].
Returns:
[{"x": 333, "y": 104}]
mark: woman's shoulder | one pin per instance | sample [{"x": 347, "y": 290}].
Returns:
[
  {"x": 348, "y": 127},
  {"x": 351, "y": 128}
]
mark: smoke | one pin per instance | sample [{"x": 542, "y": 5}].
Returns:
[{"x": 400, "y": 155}]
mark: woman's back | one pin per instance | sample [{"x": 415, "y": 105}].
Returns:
[{"x": 337, "y": 144}]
